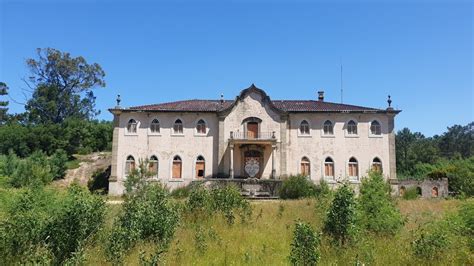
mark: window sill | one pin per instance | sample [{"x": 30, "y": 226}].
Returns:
[
  {"x": 177, "y": 180},
  {"x": 328, "y": 136},
  {"x": 131, "y": 134},
  {"x": 376, "y": 136},
  {"x": 200, "y": 135},
  {"x": 154, "y": 134},
  {"x": 330, "y": 180},
  {"x": 177, "y": 135},
  {"x": 304, "y": 136},
  {"x": 354, "y": 181},
  {"x": 351, "y": 136}
]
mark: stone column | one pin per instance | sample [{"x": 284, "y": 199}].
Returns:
[
  {"x": 284, "y": 145},
  {"x": 221, "y": 148},
  {"x": 391, "y": 146},
  {"x": 114, "y": 182},
  {"x": 231, "y": 170},
  {"x": 273, "y": 176}
]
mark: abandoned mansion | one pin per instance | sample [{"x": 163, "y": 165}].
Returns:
[{"x": 252, "y": 137}]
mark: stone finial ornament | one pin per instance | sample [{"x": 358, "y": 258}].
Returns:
[
  {"x": 222, "y": 98},
  {"x": 118, "y": 100},
  {"x": 389, "y": 101}
]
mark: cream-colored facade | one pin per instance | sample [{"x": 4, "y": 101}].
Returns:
[{"x": 252, "y": 136}]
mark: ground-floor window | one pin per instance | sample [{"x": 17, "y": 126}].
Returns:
[
  {"x": 153, "y": 166},
  {"x": 305, "y": 167},
  {"x": 200, "y": 167},
  {"x": 177, "y": 167},
  {"x": 129, "y": 165},
  {"x": 377, "y": 165},
  {"x": 329, "y": 168},
  {"x": 353, "y": 169},
  {"x": 434, "y": 192}
]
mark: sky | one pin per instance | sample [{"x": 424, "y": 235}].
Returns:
[{"x": 419, "y": 52}]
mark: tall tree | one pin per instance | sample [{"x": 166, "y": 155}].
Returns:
[
  {"x": 3, "y": 104},
  {"x": 458, "y": 141},
  {"x": 62, "y": 87}
]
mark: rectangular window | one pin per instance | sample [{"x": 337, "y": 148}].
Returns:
[
  {"x": 329, "y": 170},
  {"x": 176, "y": 169}
]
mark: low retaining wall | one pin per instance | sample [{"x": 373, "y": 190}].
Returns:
[
  {"x": 428, "y": 188},
  {"x": 252, "y": 188}
]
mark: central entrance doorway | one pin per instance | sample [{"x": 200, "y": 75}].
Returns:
[{"x": 253, "y": 163}]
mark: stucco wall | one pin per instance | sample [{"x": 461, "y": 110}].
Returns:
[{"x": 340, "y": 147}]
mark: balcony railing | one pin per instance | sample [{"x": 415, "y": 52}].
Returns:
[{"x": 252, "y": 135}]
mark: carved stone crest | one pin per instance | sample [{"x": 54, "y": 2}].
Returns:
[{"x": 252, "y": 166}]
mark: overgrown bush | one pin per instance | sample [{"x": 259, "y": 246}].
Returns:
[
  {"x": 340, "y": 223},
  {"x": 181, "y": 192},
  {"x": 42, "y": 227},
  {"x": 99, "y": 182},
  {"x": 428, "y": 245},
  {"x": 378, "y": 211},
  {"x": 148, "y": 214},
  {"x": 79, "y": 217},
  {"x": 466, "y": 213},
  {"x": 296, "y": 187},
  {"x": 57, "y": 163},
  {"x": 305, "y": 245},
  {"x": 225, "y": 200},
  {"x": 411, "y": 193}
]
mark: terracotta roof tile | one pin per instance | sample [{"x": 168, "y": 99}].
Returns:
[{"x": 284, "y": 105}]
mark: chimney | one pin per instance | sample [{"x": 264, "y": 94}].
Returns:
[{"x": 321, "y": 96}]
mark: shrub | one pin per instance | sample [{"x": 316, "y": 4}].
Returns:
[
  {"x": 296, "y": 187},
  {"x": 428, "y": 245},
  {"x": 148, "y": 215},
  {"x": 199, "y": 200},
  {"x": 181, "y": 192},
  {"x": 379, "y": 213},
  {"x": 305, "y": 245},
  {"x": 58, "y": 164},
  {"x": 411, "y": 193},
  {"x": 228, "y": 200},
  {"x": 34, "y": 170},
  {"x": 466, "y": 213},
  {"x": 79, "y": 217},
  {"x": 341, "y": 218}
]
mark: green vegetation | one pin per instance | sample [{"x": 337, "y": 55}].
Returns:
[
  {"x": 450, "y": 155},
  {"x": 377, "y": 208},
  {"x": 305, "y": 245}
]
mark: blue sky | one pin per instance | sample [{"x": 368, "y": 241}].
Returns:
[{"x": 420, "y": 53}]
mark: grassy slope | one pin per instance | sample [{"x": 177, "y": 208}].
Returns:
[{"x": 265, "y": 240}]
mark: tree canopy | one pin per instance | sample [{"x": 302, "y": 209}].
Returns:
[
  {"x": 3, "y": 103},
  {"x": 62, "y": 87}
]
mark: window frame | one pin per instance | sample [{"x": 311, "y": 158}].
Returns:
[
  {"x": 173, "y": 132},
  {"x": 150, "y": 128},
  {"x": 206, "y": 127},
  {"x": 333, "y": 164},
  {"x": 372, "y": 163},
  {"x": 323, "y": 132},
  {"x": 302, "y": 161},
  {"x": 176, "y": 179},
  {"x": 128, "y": 169},
  {"x": 154, "y": 159},
  {"x": 195, "y": 176},
  {"x": 137, "y": 125},
  {"x": 350, "y": 135},
  {"x": 356, "y": 163},
  {"x": 304, "y": 135},
  {"x": 380, "y": 128}
]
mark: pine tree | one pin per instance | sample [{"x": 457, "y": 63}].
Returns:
[{"x": 3, "y": 104}]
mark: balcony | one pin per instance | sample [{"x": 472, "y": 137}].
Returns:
[{"x": 251, "y": 137}]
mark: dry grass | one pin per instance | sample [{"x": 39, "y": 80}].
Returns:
[{"x": 265, "y": 238}]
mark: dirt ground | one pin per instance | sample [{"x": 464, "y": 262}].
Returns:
[{"x": 89, "y": 164}]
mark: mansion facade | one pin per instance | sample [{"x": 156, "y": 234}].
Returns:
[{"x": 252, "y": 137}]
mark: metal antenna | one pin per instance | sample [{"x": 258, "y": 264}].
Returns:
[{"x": 342, "y": 98}]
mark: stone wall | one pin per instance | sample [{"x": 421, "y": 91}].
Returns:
[{"x": 428, "y": 188}]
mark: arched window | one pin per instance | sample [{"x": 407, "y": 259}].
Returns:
[
  {"x": 402, "y": 191},
  {"x": 377, "y": 165},
  {"x": 328, "y": 128},
  {"x": 304, "y": 128},
  {"x": 200, "y": 167},
  {"x": 375, "y": 128},
  {"x": 418, "y": 191},
  {"x": 434, "y": 192},
  {"x": 353, "y": 169},
  {"x": 132, "y": 126},
  {"x": 129, "y": 165},
  {"x": 177, "y": 167},
  {"x": 178, "y": 126},
  {"x": 352, "y": 128},
  {"x": 201, "y": 127},
  {"x": 329, "y": 168},
  {"x": 153, "y": 166},
  {"x": 305, "y": 167},
  {"x": 155, "y": 126}
]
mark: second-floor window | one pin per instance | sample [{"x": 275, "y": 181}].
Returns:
[
  {"x": 328, "y": 128},
  {"x": 178, "y": 127},
  {"x": 375, "y": 128},
  {"x": 304, "y": 128},
  {"x": 132, "y": 126},
  {"x": 155, "y": 126},
  {"x": 201, "y": 127},
  {"x": 352, "y": 128}
]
